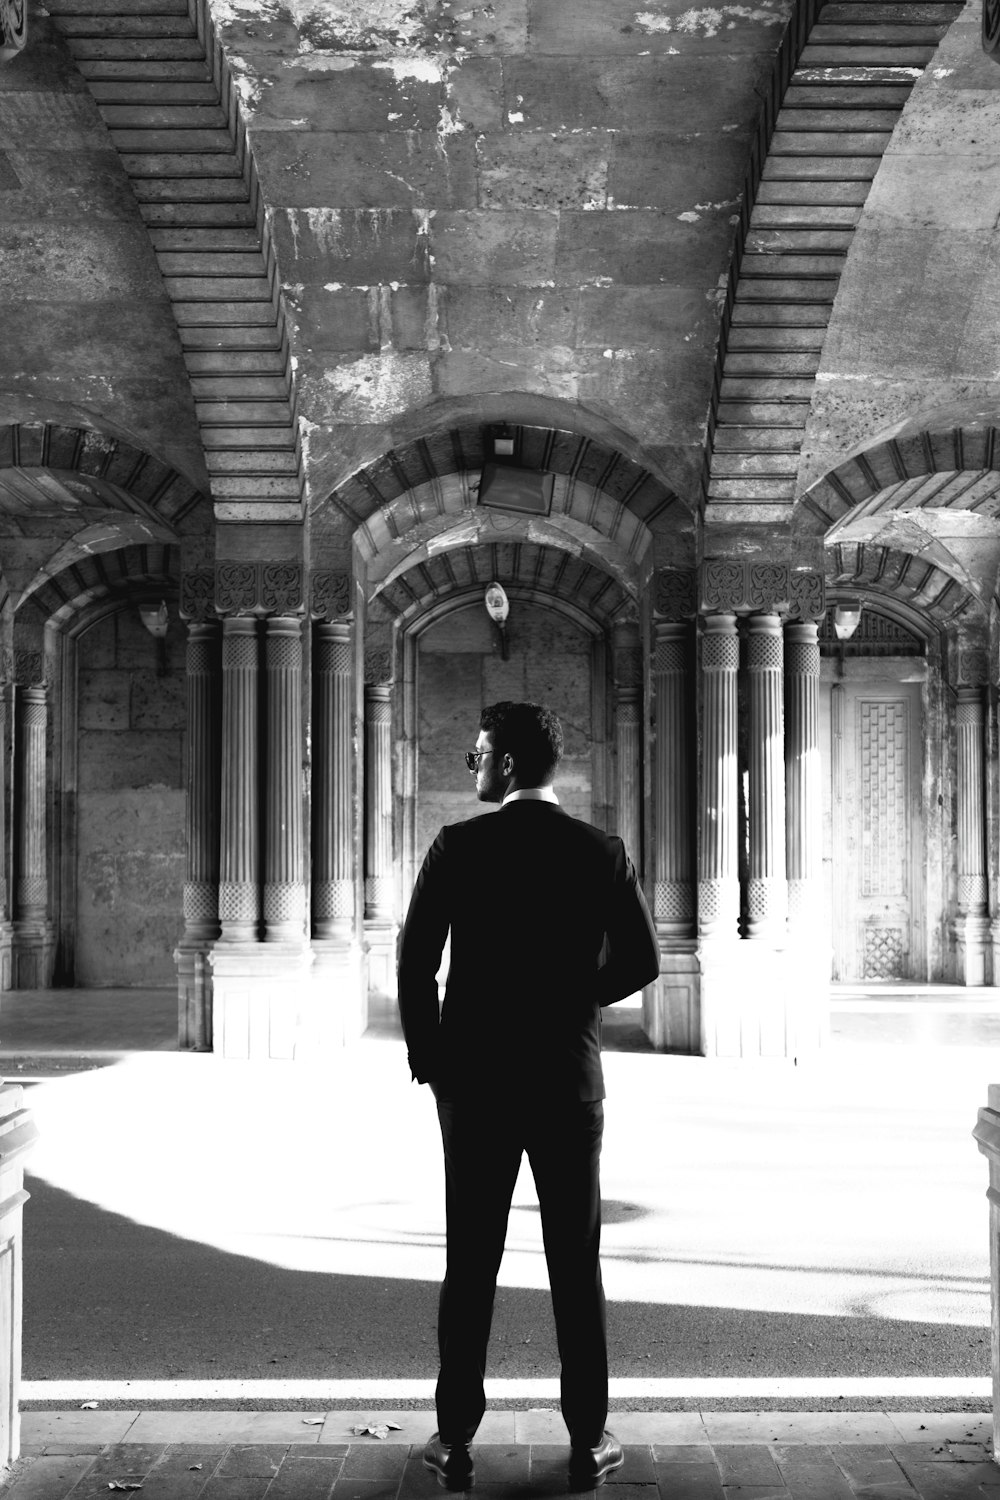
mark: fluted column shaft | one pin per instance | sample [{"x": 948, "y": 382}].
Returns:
[
  {"x": 284, "y": 887},
  {"x": 333, "y": 880},
  {"x": 627, "y": 649},
  {"x": 201, "y": 888},
  {"x": 718, "y": 871},
  {"x": 971, "y": 823},
  {"x": 674, "y": 890},
  {"x": 32, "y": 879},
  {"x": 803, "y": 778},
  {"x": 239, "y": 884},
  {"x": 767, "y": 894},
  {"x": 378, "y": 802},
  {"x": 4, "y": 907}
]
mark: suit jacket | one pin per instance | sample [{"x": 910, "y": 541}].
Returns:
[{"x": 548, "y": 923}]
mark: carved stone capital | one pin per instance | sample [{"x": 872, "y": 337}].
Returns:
[
  {"x": 676, "y": 593},
  {"x": 197, "y": 594},
  {"x": 29, "y": 669},
  {"x": 329, "y": 594},
  {"x": 731, "y": 585},
  {"x": 243, "y": 588},
  {"x": 378, "y": 667}
]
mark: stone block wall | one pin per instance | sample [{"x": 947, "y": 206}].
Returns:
[
  {"x": 89, "y": 337},
  {"x": 130, "y": 804},
  {"x": 460, "y": 670},
  {"x": 502, "y": 205}
]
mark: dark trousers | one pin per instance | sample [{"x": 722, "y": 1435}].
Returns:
[{"x": 483, "y": 1143}]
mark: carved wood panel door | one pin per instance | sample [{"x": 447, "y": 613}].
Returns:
[{"x": 876, "y": 830}]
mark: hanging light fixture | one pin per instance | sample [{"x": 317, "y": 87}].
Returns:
[
  {"x": 498, "y": 608},
  {"x": 846, "y": 618}
]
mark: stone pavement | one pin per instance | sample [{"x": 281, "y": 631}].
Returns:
[{"x": 709, "y": 1455}]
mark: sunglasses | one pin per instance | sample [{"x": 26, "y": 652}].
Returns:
[{"x": 473, "y": 757}]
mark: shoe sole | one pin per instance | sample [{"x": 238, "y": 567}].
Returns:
[{"x": 581, "y": 1481}]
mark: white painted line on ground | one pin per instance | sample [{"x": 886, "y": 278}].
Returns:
[{"x": 915, "y": 1387}]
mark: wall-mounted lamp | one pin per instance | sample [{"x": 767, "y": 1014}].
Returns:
[
  {"x": 156, "y": 622},
  {"x": 498, "y": 608},
  {"x": 847, "y": 618}
]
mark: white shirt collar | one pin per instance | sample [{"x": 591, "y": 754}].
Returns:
[{"x": 531, "y": 794}]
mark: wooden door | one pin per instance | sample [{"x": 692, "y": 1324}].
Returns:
[{"x": 875, "y": 829}]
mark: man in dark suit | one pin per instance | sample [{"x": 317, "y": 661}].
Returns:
[{"x": 547, "y": 923}]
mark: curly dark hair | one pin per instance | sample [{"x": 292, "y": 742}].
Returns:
[{"x": 530, "y": 733}]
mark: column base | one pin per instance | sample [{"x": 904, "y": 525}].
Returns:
[
  {"x": 340, "y": 997},
  {"x": 763, "y": 1002},
  {"x": 380, "y": 959},
  {"x": 671, "y": 1005},
  {"x": 194, "y": 995},
  {"x": 262, "y": 1001},
  {"x": 972, "y": 940},
  {"x": 33, "y": 956}
]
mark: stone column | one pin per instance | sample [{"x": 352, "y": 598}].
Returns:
[
  {"x": 674, "y": 890},
  {"x": 718, "y": 870},
  {"x": 627, "y": 649},
  {"x": 239, "y": 884},
  {"x": 378, "y": 802},
  {"x": 803, "y": 782},
  {"x": 333, "y": 869},
  {"x": 284, "y": 888},
  {"x": 32, "y": 877},
  {"x": 670, "y": 1008},
  {"x": 33, "y": 948},
  {"x": 972, "y": 922},
  {"x": 201, "y": 887},
  {"x": 767, "y": 894}
]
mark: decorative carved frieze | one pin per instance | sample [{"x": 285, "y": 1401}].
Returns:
[
  {"x": 808, "y": 596},
  {"x": 723, "y": 587},
  {"x": 236, "y": 588},
  {"x": 676, "y": 593},
  {"x": 330, "y": 594},
  {"x": 378, "y": 667},
  {"x": 13, "y": 27},
  {"x": 730, "y": 585},
  {"x": 273, "y": 588},
  {"x": 29, "y": 668},
  {"x": 197, "y": 594},
  {"x": 973, "y": 666}
]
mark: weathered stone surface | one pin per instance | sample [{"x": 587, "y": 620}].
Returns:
[
  {"x": 536, "y": 169},
  {"x": 158, "y": 700},
  {"x": 62, "y": 263},
  {"x": 615, "y": 26},
  {"x": 502, "y": 249},
  {"x": 471, "y": 317},
  {"x": 55, "y": 184},
  {"x": 359, "y": 247},
  {"x": 103, "y": 700},
  {"x": 643, "y": 247},
  {"x": 59, "y": 120},
  {"x": 644, "y": 93},
  {"x": 645, "y": 317},
  {"x": 366, "y": 170},
  {"x": 677, "y": 174},
  {"x": 130, "y": 759}
]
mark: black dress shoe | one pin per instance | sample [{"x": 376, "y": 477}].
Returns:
[
  {"x": 452, "y": 1463},
  {"x": 589, "y": 1467}
]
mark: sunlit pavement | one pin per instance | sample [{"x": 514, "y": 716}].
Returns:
[{"x": 765, "y": 1224}]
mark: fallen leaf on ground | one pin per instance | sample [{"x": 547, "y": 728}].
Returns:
[
  {"x": 89, "y": 1406},
  {"x": 124, "y": 1484},
  {"x": 313, "y": 1421},
  {"x": 376, "y": 1429}
]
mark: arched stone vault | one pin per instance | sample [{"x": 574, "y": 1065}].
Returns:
[
  {"x": 541, "y": 574},
  {"x": 922, "y": 506},
  {"x": 460, "y": 449}
]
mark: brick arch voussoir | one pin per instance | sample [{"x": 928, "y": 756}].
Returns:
[
  {"x": 89, "y": 452},
  {"x": 460, "y": 450},
  {"x": 963, "y": 449},
  {"x": 125, "y": 573},
  {"x": 897, "y": 578}
]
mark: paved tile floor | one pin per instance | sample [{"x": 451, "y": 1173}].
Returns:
[{"x": 247, "y": 1455}]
